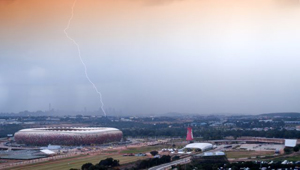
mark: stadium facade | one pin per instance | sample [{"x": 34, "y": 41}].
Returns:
[{"x": 70, "y": 136}]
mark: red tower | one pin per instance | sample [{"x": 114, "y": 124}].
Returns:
[{"x": 189, "y": 135}]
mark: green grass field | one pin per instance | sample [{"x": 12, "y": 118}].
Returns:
[
  {"x": 142, "y": 149},
  {"x": 75, "y": 162},
  {"x": 114, "y": 151}
]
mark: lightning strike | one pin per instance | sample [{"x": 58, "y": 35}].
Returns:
[{"x": 79, "y": 55}]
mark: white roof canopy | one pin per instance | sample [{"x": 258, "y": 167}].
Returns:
[
  {"x": 202, "y": 146},
  {"x": 47, "y": 151},
  {"x": 290, "y": 142}
]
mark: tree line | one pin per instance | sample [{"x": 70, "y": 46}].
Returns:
[{"x": 210, "y": 133}]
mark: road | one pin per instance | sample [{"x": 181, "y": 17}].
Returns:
[
  {"x": 167, "y": 165},
  {"x": 3, "y": 146}
]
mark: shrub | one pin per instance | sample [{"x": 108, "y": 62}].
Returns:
[
  {"x": 153, "y": 153},
  {"x": 296, "y": 149},
  {"x": 287, "y": 150},
  {"x": 86, "y": 166}
]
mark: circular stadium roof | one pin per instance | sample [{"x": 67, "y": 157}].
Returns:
[
  {"x": 202, "y": 146},
  {"x": 74, "y": 130},
  {"x": 68, "y": 135}
]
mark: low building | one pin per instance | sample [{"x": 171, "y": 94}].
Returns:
[
  {"x": 210, "y": 157},
  {"x": 290, "y": 142},
  {"x": 291, "y": 122},
  {"x": 268, "y": 120},
  {"x": 52, "y": 147},
  {"x": 48, "y": 152},
  {"x": 250, "y": 139},
  {"x": 199, "y": 146}
]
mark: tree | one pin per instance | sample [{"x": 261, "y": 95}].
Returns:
[
  {"x": 287, "y": 150},
  {"x": 296, "y": 149},
  {"x": 153, "y": 153},
  {"x": 165, "y": 159},
  {"x": 97, "y": 167},
  {"x": 86, "y": 166},
  {"x": 115, "y": 163},
  {"x": 153, "y": 162},
  {"x": 234, "y": 168},
  {"x": 143, "y": 164},
  {"x": 175, "y": 158},
  {"x": 109, "y": 162}
]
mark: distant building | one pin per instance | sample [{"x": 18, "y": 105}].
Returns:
[
  {"x": 125, "y": 120},
  {"x": 250, "y": 139},
  {"x": 14, "y": 123},
  {"x": 291, "y": 122},
  {"x": 268, "y": 120},
  {"x": 257, "y": 129},
  {"x": 53, "y": 119},
  {"x": 29, "y": 123},
  {"x": 198, "y": 124},
  {"x": 2, "y": 121},
  {"x": 229, "y": 124}
]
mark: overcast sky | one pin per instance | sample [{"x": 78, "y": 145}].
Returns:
[{"x": 151, "y": 56}]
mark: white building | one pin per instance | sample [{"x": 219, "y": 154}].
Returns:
[
  {"x": 290, "y": 142},
  {"x": 201, "y": 146}
]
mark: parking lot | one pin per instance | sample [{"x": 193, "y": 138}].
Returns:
[{"x": 262, "y": 147}]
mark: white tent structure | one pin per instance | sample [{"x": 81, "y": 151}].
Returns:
[
  {"x": 47, "y": 151},
  {"x": 290, "y": 142},
  {"x": 201, "y": 146}
]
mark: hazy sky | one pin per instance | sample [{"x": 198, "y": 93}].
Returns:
[{"x": 151, "y": 56}]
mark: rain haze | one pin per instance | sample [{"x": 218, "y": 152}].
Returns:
[{"x": 151, "y": 56}]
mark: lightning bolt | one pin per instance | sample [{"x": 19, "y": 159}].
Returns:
[{"x": 79, "y": 55}]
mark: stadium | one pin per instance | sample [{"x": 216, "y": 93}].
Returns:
[{"x": 70, "y": 136}]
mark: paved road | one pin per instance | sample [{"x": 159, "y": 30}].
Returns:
[
  {"x": 3, "y": 146},
  {"x": 164, "y": 166}
]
